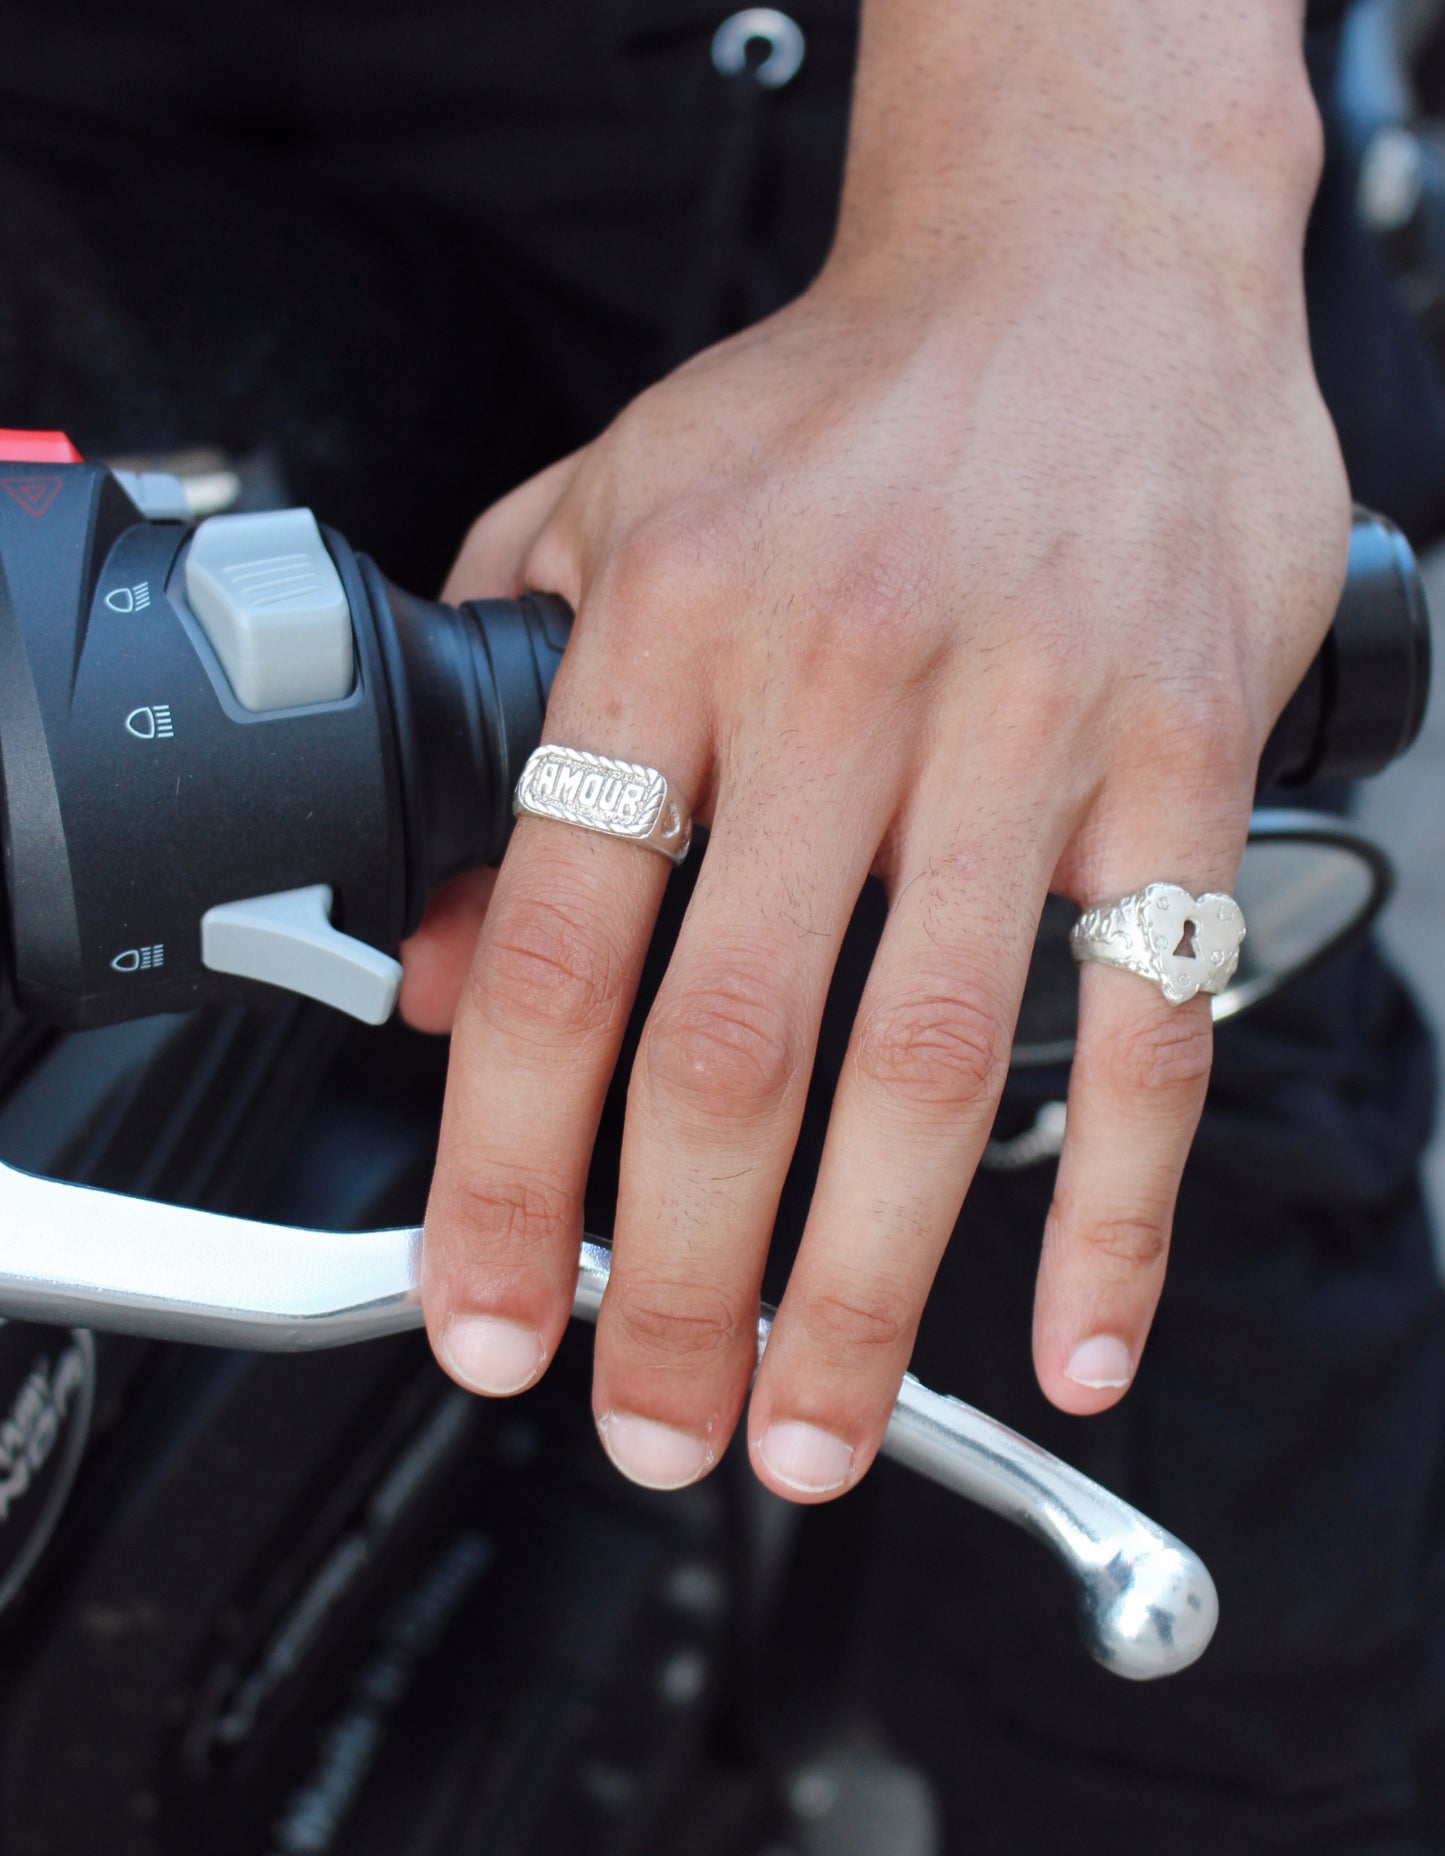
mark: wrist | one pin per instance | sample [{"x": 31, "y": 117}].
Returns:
[{"x": 1161, "y": 129}]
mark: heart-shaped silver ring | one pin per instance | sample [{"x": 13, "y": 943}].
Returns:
[{"x": 1185, "y": 944}]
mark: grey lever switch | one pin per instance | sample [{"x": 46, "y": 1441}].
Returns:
[
  {"x": 287, "y": 940},
  {"x": 269, "y": 598}
]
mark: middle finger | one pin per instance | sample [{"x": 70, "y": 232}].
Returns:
[{"x": 713, "y": 1114}]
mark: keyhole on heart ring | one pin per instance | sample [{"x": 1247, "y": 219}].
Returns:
[{"x": 1188, "y": 948}]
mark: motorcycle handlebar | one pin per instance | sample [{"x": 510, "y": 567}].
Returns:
[{"x": 236, "y": 757}]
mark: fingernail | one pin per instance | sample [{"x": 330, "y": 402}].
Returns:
[
  {"x": 1102, "y": 1361},
  {"x": 491, "y": 1355},
  {"x": 805, "y": 1458},
  {"x": 658, "y": 1456}
]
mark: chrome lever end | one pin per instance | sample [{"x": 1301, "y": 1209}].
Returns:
[
  {"x": 1150, "y": 1612},
  {"x": 87, "y": 1259}
]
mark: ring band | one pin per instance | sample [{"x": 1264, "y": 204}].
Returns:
[
  {"x": 1184, "y": 944},
  {"x": 619, "y": 798}
]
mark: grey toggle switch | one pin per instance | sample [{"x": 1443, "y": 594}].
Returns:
[
  {"x": 287, "y": 940},
  {"x": 268, "y": 597}
]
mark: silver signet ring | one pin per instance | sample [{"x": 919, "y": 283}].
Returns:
[
  {"x": 1184, "y": 944},
  {"x": 619, "y": 798}
]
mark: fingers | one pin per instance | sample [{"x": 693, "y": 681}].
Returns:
[
  {"x": 717, "y": 1095},
  {"x": 534, "y": 1043},
  {"x": 1136, "y": 1092},
  {"x": 911, "y": 1116},
  {"x": 1141, "y": 1070},
  {"x": 537, "y": 1031},
  {"x": 713, "y": 1114}
]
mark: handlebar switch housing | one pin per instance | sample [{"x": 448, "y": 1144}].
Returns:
[
  {"x": 140, "y": 792},
  {"x": 234, "y": 758}
]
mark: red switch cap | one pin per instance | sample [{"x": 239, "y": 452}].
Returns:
[{"x": 37, "y": 448}]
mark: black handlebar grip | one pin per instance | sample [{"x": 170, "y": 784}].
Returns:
[
  {"x": 1362, "y": 701},
  {"x": 124, "y": 826},
  {"x": 470, "y": 687}
]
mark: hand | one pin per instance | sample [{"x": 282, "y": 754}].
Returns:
[{"x": 987, "y": 577}]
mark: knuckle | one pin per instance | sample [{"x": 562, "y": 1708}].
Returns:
[
  {"x": 546, "y": 964},
  {"x": 843, "y": 1330},
  {"x": 552, "y": 563},
  {"x": 1167, "y": 1056},
  {"x": 679, "y": 1322},
  {"x": 885, "y": 594},
  {"x": 515, "y": 1215},
  {"x": 728, "y": 1048},
  {"x": 1055, "y": 685},
  {"x": 1204, "y": 732},
  {"x": 946, "y": 1050},
  {"x": 664, "y": 566},
  {"x": 1132, "y": 1244}
]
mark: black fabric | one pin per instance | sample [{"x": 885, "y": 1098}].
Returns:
[
  {"x": 1380, "y": 380},
  {"x": 449, "y": 203},
  {"x": 416, "y": 251},
  {"x": 1289, "y": 1423}
]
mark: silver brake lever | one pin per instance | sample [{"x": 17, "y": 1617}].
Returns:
[{"x": 87, "y": 1259}]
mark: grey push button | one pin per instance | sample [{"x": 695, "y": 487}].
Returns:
[
  {"x": 268, "y": 597},
  {"x": 159, "y": 496},
  {"x": 287, "y": 940}
]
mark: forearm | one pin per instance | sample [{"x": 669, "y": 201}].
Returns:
[{"x": 1169, "y": 122}]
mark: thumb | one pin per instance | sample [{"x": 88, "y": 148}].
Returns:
[
  {"x": 499, "y": 541},
  {"x": 437, "y": 958}
]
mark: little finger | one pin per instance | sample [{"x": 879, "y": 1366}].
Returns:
[{"x": 1140, "y": 1076}]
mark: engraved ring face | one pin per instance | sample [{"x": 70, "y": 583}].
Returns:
[
  {"x": 619, "y": 798},
  {"x": 1184, "y": 944}
]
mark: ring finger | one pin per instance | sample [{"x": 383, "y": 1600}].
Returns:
[
  {"x": 713, "y": 1114},
  {"x": 912, "y": 1113}
]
